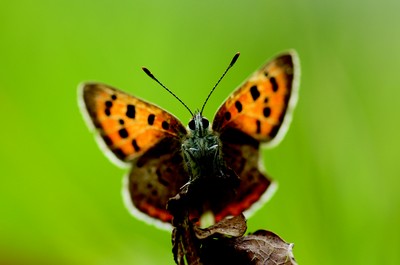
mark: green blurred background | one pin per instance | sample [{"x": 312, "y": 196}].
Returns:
[{"x": 337, "y": 168}]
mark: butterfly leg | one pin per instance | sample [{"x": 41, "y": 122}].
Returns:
[
  {"x": 215, "y": 148},
  {"x": 189, "y": 159}
]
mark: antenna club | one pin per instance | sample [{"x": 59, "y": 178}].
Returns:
[
  {"x": 147, "y": 71},
  {"x": 234, "y": 59}
]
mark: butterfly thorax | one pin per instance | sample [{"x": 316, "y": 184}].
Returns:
[{"x": 202, "y": 151}]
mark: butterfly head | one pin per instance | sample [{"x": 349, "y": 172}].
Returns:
[{"x": 199, "y": 125}]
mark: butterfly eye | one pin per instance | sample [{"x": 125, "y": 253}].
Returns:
[
  {"x": 192, "y": 125},
  {"x": 205, "y": 123}
]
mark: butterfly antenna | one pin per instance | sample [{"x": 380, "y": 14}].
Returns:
[
  {"x": 212, "y": 90},
  {"x": 147, "y": 71}
]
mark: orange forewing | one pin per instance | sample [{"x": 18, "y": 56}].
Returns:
[
  {"x": 129, "y": 126},
  {"x": 258, "y": 107}
]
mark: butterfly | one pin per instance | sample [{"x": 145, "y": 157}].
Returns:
[{"x": 218, "y": 163}]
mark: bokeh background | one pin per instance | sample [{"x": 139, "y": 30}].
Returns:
[{"x": 338, "y": 166}]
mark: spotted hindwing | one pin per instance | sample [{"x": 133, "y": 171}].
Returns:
[
  {"x": 128, "y": 126},
  {"x": 260, "y": 106},
  {"x": 155, "y": 177},
  {"x": 241, "y": 154}
]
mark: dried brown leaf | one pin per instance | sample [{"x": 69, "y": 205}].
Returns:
[
  {"x": 265, "y": 247},
  {"x": 228, "y": 227}
]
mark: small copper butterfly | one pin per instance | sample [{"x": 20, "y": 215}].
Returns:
[{"x": 218, "y": 162}]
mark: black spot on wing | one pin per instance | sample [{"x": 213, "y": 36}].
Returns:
[
  {"x": 130, "y": 111},
  {"x": 135, "y": 145},
  {"x": 258, "y": 124},
  {"x": 255, "y": 94},
  {"x": 266, "y": 112},
  {"x": 150, "y": 119},
  {"x": 274, "y": 84},
  {"x": 123, "y": 133},
  {"x": 113, "y": 97},
  {"x": 108, "y": 104},
  {"x": 121, "y": 121},
  {"x": 165, "y": 125},
  {"x": 238, "y": 106}
]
